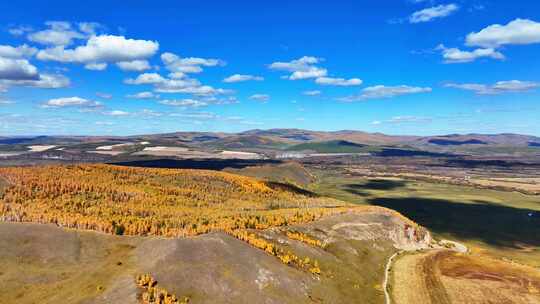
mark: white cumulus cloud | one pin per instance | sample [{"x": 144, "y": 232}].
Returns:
[
  {"x": 135, "y": 65},
  {"x": 381, "y": 91},
  {"x": 302, "y": 68},
  {"x": 144, "y": 95},
  {"x": 431, "y": 13},
  {"x": 89, "y": 28},
  {"x": 175, "y": 63},
  {"x": 409, "y": 119},
  {"x": 312, "y": 72},
  {"x": 241, "y": 78},
  {"x": 499, "y": 87},
  {"x": 338, "y": 81},
  {"x": 183, "y": 85},
  {"x": 518, "y": 31},
  {"x": 184, "y": 103},
  {"x": 58, "y": 33},
  {"x": 260, "y": 97},
  {"x": 17, "y": 69},
  {"x": 22, "y": 51},
  {"x": 45, "y": 81},
  {"x": 306, "y": 68},
  {"x": 48, "y": 81},
  {"x": 20, "y": 30},
  {"x": 146, "y": 78},
  {"x": 312, "y": 93},
  {"x": 95, "y": 66},
  {"x": 70, "y": 102},
  {"x": 455, "y": 55},
  {"x": 489, "y": 39},
  {"x": 201, "y": 90},
  {"x": 102, "y": 49},
  {"x": 116, "y": 113},
  {"x": 104, "y": 95},
  {"x": 177, "y": 85}
]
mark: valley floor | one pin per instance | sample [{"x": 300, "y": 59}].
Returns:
[{"x": 500, "y": 224}]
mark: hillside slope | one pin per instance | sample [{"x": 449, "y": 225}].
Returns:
[
  {"x": 332, "y": 146},
  {"x": 47, "y": 264},
  {"x": 289, "y": 172}
]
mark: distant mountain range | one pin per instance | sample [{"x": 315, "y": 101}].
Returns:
[{"x": 345, "y": 141}]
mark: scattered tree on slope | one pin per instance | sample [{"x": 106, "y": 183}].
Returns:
[{"x": 154, "y": 294}]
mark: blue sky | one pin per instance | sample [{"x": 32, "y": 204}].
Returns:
[{"x": 392, "y": 66}]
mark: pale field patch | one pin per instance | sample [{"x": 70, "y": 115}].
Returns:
[
  {"x": 112, "y": 153},
  {"x": 111, "y": 147},
  {"x": 3, "y": 155},
  {"x": 166, "y": 149},
  {"x": 240, "y": 155},
  {"x": 40, "y": 148},
  {"x": 182, "y": 152},
  {"x": 172, "y": 151}
]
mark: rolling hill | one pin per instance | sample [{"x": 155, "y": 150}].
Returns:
[
  {"x": 266, "y": 143},
  {"x": 333, "y": 146}
]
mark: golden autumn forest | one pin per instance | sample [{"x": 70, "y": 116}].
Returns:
[{"x": 161, "y": 202}]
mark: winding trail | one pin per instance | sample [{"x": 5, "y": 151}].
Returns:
[{"x": 386, "y": 274}]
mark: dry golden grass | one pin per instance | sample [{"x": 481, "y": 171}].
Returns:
[
  {"x": 526, "y": 185},
  {"x": 44, "y": 264},
  {"x": 469, "y": 277},
  {"x": 448, "y": 277}
]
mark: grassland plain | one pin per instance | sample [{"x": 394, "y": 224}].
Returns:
[{"x": 501, "y": 224}]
